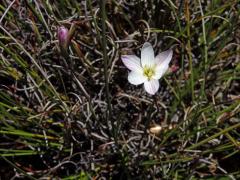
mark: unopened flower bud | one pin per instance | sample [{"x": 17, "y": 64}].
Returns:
[{"x": 63, "y": 37}]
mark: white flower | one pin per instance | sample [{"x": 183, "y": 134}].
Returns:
[{"x": 148, "y": 69}]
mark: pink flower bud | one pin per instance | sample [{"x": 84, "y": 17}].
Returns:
[{"x": 62, "y": 36}]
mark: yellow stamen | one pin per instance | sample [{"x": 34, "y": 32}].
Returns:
[{"x": 148, "y": 72}]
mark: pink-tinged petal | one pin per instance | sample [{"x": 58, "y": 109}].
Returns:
[
  {"x": 151, "y": 86},
  {"x": 160, "y": 70},
  {"x": 62, "y": 35},
  {"x": 132, "y": 62},
  {"x": 164, "y": 57},
  {"x": 147, "y": 55},
  {"x": 136, "y": 78}
]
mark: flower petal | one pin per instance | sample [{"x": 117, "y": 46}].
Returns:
[
  {"x": 132, "y": 62},
  {"x": 164, "y": 57},
  {"x": 151, "y": 86},
  {"x": 62, "y": 34},
  {"x": 147, "y": 55},
  {"x": 136, "y": 78},
  {"x": 160, "y": 70}
]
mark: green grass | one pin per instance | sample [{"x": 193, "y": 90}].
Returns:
[{"x": 73, "y": 114}]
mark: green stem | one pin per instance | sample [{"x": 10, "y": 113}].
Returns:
[
  {"x": 106, "y": 62},
  {"x": 189, "y": 50},
  {"x": 205, "y": 49}
]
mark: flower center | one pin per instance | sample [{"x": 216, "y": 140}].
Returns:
[{"x": 148, "y": 72}]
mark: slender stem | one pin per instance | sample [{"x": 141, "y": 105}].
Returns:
[
  {"x": 205, "y": 48},
  {"x": 156, "y": 103},
  {"x": 189, "y": 48},
  {"x": 89, "y": 2},
  {"x": 106, "y": 62}
]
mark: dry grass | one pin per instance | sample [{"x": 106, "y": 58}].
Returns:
[{"x": 73, "y": 115}]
